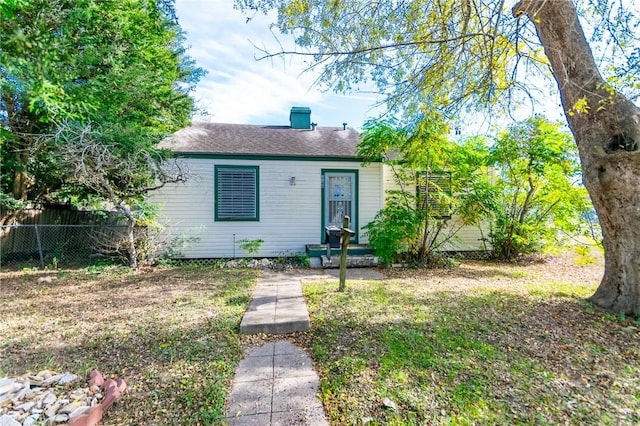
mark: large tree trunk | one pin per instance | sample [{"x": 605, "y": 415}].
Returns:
[
  {"x": 608, "y": 135},
  {"x": 21, "y": 178}
]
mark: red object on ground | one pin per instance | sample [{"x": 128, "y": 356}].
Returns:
[
  {"x": 112, "y": 391},
  {"x": 96, "y": 378}
]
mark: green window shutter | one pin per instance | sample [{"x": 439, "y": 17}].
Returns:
[
  {"x": 434, "y": 194},
  {"x": 236, "y": 193}
]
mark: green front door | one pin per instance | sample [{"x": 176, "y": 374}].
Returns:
[{"x": 340, "y": 197}]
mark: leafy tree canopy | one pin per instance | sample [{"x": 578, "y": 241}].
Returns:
[
  {"x": 445, "y": 53},
  {"x": 117, "y": 66},
  {"x": 452, "y": 54},
  {"x": 432, "y": 181},
  {"x": 522, "y": 186},
  {"x": 535, "y": 189}
]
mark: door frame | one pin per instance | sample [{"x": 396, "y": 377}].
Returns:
[{"x": 356, "y": 208}]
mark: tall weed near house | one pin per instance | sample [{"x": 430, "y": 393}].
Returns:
[{"x": 250, "y": 246}]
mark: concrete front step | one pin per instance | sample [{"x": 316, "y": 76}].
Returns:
[{"x": 353, "y": 261}]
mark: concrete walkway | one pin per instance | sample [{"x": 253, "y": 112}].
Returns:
[
  {"x": 276, "y": 383},
  {"x": 277, "y": 306}
]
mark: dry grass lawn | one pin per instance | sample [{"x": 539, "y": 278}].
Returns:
[
  {"x": 171, "y": 333},
  {"x": 485, "y": 343}
]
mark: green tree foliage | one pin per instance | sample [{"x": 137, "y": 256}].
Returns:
[
  {"x": 119, "y": 67},
  {"x": 537, "y": 166},
  {"x": 414, "y": 225},
  {"x": 443, "y": 53},
  {"x": 451, "y": 54},
  {"x": 522, "y": 187}
]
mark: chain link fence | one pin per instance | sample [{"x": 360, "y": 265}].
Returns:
[{"x": 61, "y": 246}]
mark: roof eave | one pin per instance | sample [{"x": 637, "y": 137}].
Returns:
[{"x": 254, "y": 156}]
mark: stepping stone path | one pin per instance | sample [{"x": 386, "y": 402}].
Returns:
[
  {"x": 276, "y": 383},
  {"x": 277, "y": 306}
]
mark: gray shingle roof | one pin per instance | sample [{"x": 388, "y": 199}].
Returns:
[{"x": 244, "y": 139}]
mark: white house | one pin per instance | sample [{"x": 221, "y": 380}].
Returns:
[{"x": 279, "y": 184}]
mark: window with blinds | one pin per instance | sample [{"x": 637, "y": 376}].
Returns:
[
  {"x": 236, "y": 194},
  {"x": 434, "y": 194}
]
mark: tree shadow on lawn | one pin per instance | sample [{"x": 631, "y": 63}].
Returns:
[
  {"x": 565, "y": 265},
  {"x": 474, "y": 270},
  {"x": 172, "y": 336},
  {"x": 487, "y": 357}
]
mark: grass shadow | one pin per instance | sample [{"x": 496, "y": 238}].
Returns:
[{"x": 486, "y": 356}]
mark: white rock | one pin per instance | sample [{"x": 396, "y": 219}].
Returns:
[
  {"x": 69, "y": 408},
  {"x": 78, "y": 393},
  {"x": 61, "y": 418},
  {"x": 36, "y": 380},
  {"x": 389, "y": 404},
  {"x": 10, "y": 387},
  {"x": 31, "y": 420},
  {"x": 20, "y": 395},
  {"x": 26, "y": 406},
  {"x": 8, "y": 421},
  {"x": 49, "y": 398},
  {"x": 6, "y": 385},
  {"x": 53, "y": 379},
  {"x": 96, "y": 399},
  {"x": 79, "y": 411},
  {"x": 51, "y": 410},
  {"x": 67, "y": 378},
  {"x": 15, "y": 415}
]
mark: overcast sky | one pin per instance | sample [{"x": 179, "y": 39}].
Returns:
[{"x": 239, "y": 89}]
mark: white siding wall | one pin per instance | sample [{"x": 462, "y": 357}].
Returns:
[
  {"x": 466, "y": 238},
  {"x": 389, "y": 181},
  {"x": 290, "y": 215}
]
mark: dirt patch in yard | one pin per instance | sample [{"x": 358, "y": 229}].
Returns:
[{"x": 566, "y": 267}]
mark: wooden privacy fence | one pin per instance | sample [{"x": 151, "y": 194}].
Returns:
[{"x": 55, "y": 215}]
